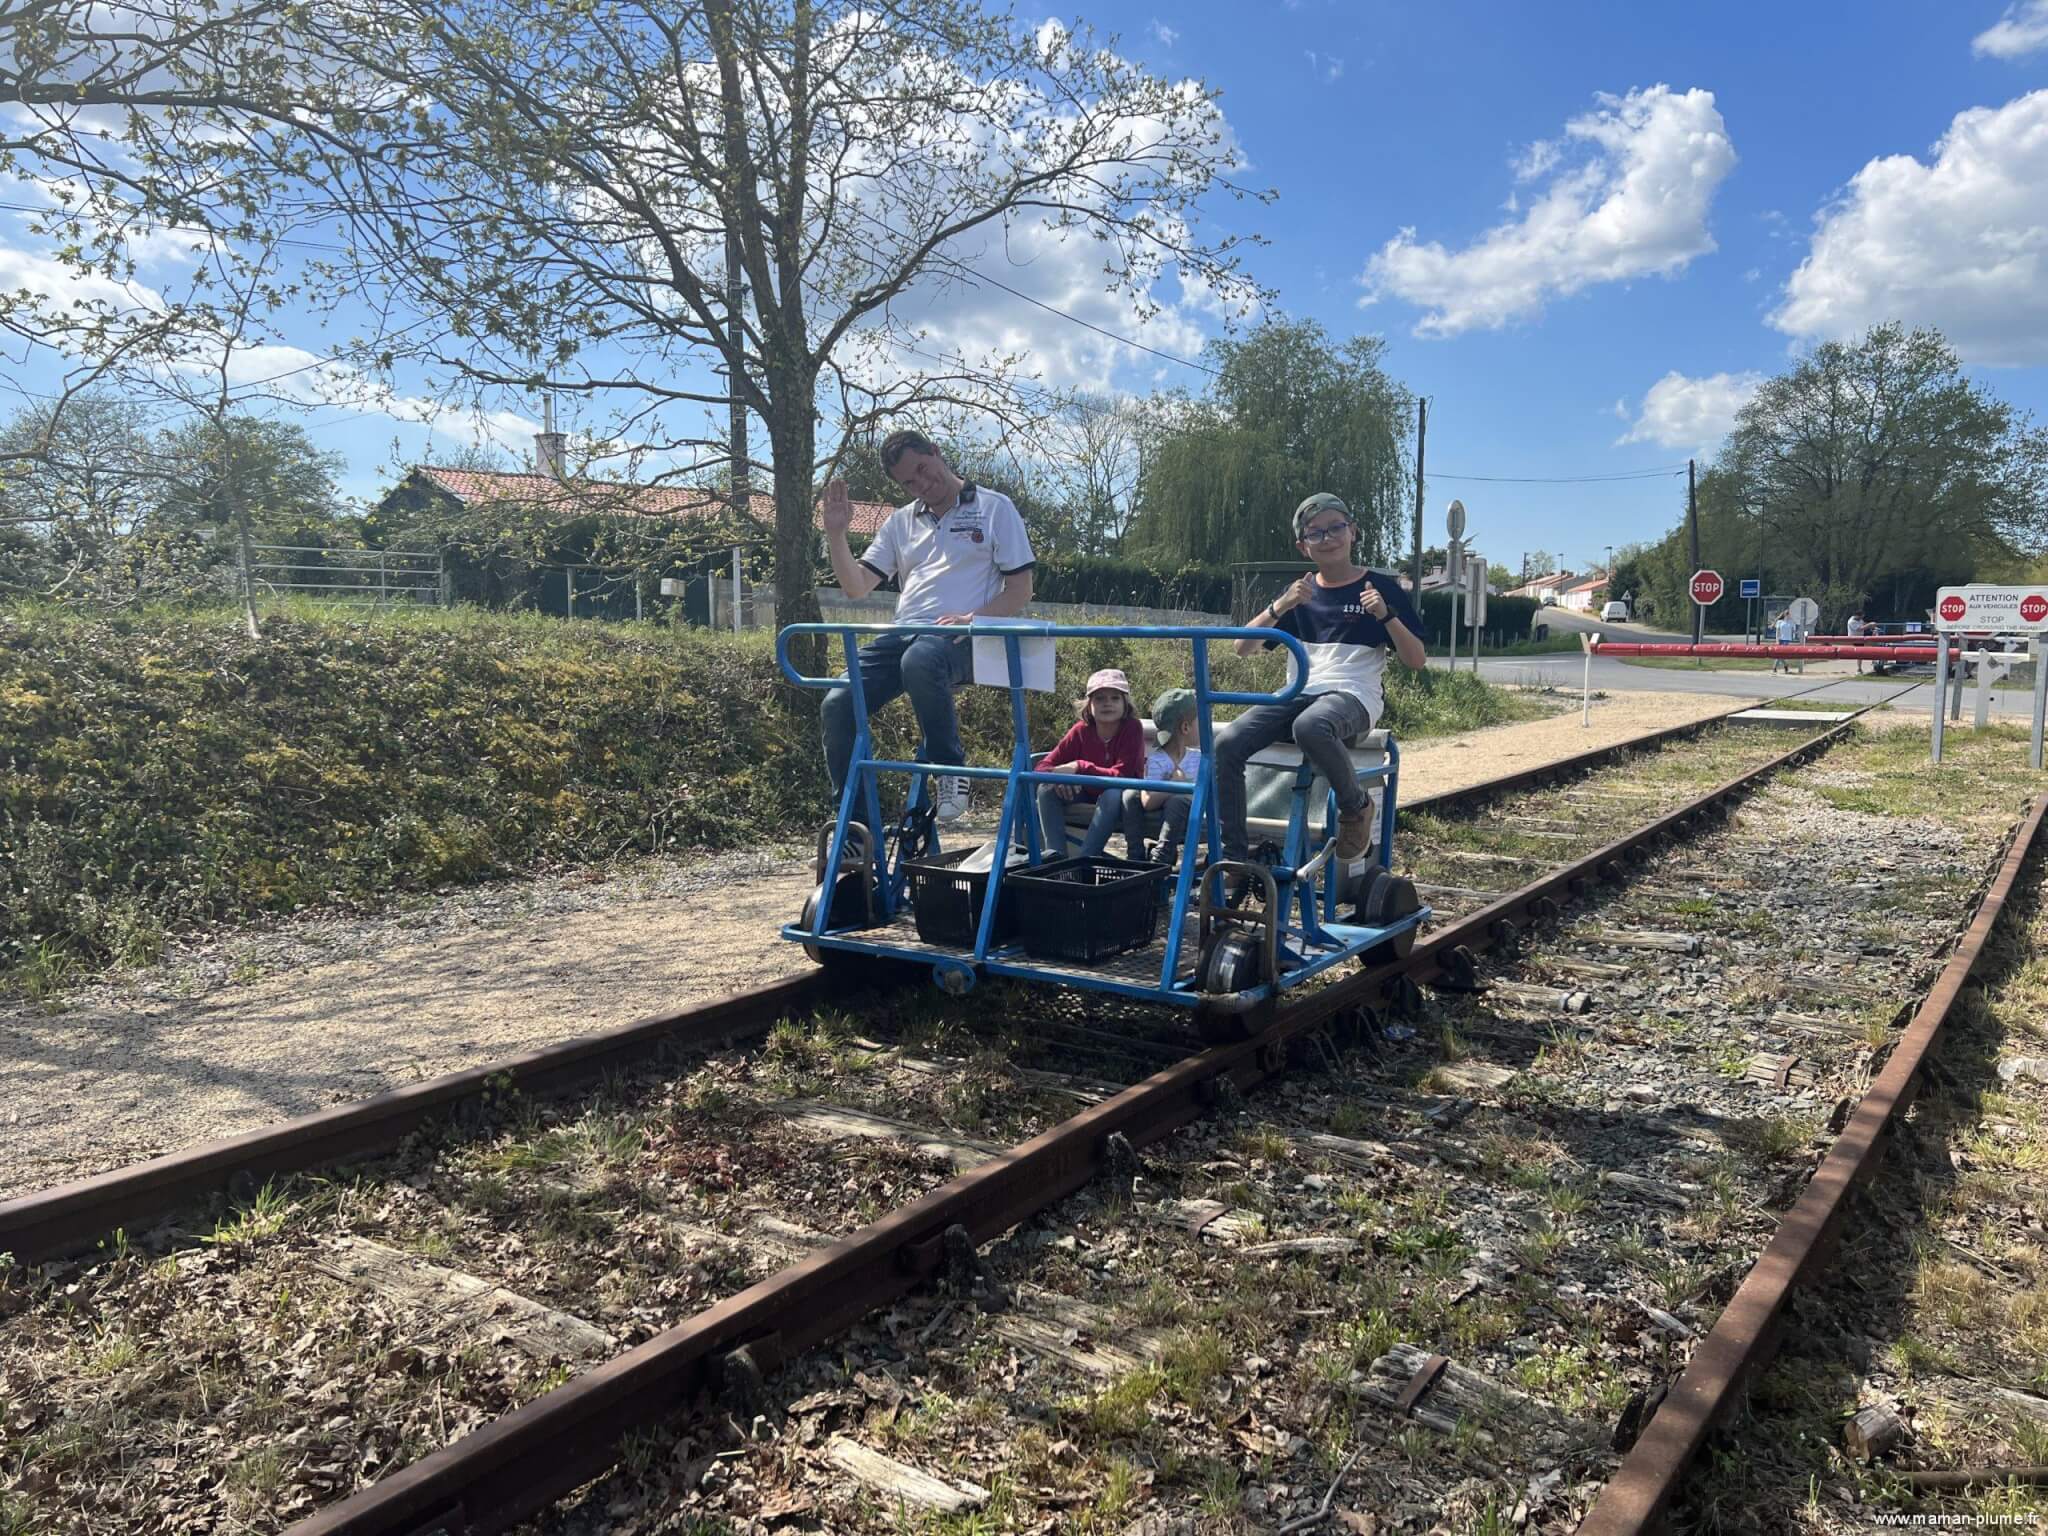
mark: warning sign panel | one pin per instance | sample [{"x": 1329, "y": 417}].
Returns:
[{"x": 1995, "y": 609}]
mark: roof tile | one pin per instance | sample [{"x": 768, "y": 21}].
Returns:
[{"x": 481, "y": 485}]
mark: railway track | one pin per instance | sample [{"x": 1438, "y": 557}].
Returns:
[{"x": 513, "y": 1465}]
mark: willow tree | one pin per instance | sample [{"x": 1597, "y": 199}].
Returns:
[{"x": 1289, "y": 414}]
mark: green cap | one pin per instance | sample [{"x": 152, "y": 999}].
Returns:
[
  {"x": 1168, "y": 710},
  {"x": 1322, "y": 501}
]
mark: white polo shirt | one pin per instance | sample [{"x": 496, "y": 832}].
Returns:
[{"x": 953, "y": 563}]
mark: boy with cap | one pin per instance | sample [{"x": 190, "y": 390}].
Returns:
[{"x": 1346, "y": 617}]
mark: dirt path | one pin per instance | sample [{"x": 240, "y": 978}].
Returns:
[{"x": 257, "y": 1025}]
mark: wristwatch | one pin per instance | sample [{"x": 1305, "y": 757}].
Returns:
[{"x": 1272, "y": 613}]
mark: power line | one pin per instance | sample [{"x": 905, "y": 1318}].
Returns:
[
  {"x": 973, "y": 276},
  {"x": 1634, "y": 474}
]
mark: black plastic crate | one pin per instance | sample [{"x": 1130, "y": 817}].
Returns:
[
  {"x": 947, "y": 901},
  {"x": 1089, "y": 908}
]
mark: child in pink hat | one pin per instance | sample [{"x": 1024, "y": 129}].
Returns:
[{"x": 1107, "y": 741}]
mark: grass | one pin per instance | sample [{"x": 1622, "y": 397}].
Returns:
[{"x": 172, "y": 773}]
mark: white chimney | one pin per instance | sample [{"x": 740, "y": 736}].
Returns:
[{"x": 550, "y": 448}]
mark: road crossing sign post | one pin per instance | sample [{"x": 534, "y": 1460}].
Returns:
[
  {"x": 1706, "y": 587},
  {"x": 1988, "y": 609}
]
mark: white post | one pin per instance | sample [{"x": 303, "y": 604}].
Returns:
[
  {"x": 1454, "y": 628},
  {"x": 1983, "y": 689},
  {"x": 735, "y": 589},
  {"x": 1940, "y": 691},
  {"x": 1586, "y": 643},
  {"x": 2040, "y": 697},
  {"x": 571, "y": 573}
]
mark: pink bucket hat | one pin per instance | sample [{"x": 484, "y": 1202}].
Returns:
[{"x": 1109, "y": 677}]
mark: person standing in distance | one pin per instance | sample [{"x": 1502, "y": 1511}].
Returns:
[
  {"x": 1347, "y": 618},
  {"x": 958, "y": 552}
]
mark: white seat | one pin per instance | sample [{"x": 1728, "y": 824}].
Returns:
[
  {"x": 1269, "y": 785},
  {"x": 1269, "y": 788}
]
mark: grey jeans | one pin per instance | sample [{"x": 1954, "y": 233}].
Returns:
[{"x": 1320, "y": 724}]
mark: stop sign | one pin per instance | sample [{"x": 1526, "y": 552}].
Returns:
[
  {"x": 2034, "y": 607},
  {"x": 1707, "y": 587},
  {"x": 1953, "y": 608}
]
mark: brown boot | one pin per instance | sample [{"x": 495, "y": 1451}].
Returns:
[{"x": 1354, "y": 833}]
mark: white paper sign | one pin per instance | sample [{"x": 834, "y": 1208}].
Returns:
[
  {"x": 1034, "y": 656},
  {"x": 2006, "y": 610}
]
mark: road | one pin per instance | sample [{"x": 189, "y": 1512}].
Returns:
[{"x": 1613, "y": 675}]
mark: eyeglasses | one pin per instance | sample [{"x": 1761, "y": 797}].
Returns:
[{"x": 1326, "y": 534}]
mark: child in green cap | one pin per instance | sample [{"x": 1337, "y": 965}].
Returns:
[{"x": 1175, "y": 758}]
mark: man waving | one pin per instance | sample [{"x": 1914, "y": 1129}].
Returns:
[{"x": 957, "y": 553}]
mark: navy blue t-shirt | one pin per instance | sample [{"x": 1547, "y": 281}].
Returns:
[{"x": 1347, "y": 647}]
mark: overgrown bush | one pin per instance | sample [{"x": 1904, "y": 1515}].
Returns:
[{"x": 160, "y": 769}]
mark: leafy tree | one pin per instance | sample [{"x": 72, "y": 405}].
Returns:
[
  {"x": 77, "y": 486},
  {"x": 586, "y": 170},
  {"x": 1500, "y": 577},
  {"x": 248, "y": 466},
  {"x": 1288, "y": 414},
  {"x": 1869, "y": 473}
]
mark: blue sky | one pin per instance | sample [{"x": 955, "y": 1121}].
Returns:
[
  {"x": 1369, "y": 118},
  {"x": 1584, "y": 230}
]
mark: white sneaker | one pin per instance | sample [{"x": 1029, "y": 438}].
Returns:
[{"x": 949, "y": 796}]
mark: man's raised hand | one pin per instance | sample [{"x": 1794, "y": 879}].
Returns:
[
  {"x": 1374, "y": 600},
  {"x": 838, "y": 507}
]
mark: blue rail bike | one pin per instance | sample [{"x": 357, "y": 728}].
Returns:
[{"x": 1224, "y": 938}]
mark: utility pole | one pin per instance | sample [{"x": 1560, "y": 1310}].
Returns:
[
  {"x": 1421, "y": 437},
  {"x": 1692, "y": 523},
  {"x": 735, "y": 363}
]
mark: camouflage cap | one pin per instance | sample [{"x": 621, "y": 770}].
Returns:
[{"x": 1322, "y": 501}]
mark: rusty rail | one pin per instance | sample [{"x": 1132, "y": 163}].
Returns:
[
  {"x": 1744, "y": 1338},
  {"x": 70, "y": 1216},
  {"x": 518, "y": 1464}
]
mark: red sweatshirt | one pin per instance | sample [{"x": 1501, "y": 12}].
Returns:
[{"x": 1082, "y": 750}]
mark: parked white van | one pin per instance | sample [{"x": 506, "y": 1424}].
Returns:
[{"x": 1614, "y": 613}]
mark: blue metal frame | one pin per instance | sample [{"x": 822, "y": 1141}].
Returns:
[{"x": 1311, "y": 942}]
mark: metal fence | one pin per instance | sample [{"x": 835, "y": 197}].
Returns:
[{"x": 355, "y": 578}]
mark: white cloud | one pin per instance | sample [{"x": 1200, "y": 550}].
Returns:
[
  {"x": 1165, "y": 36},
  {"x": 1328, "y": 65},
  {"x": 311, "y": 379},
  {"x": 1959, "y": 243},
  {"x": 1679, "y": 412},
  {"x": 1630, "y": 187},
  {"x": 2022, "y": 30}
]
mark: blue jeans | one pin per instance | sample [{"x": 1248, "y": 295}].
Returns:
[
  {"x": 1318, "y": 723},
  {"x": 928, "y": 668},
  {"x": 1105, "y": 817}
]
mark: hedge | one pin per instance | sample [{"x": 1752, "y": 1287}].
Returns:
[{"x": 160, "y": 771}]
